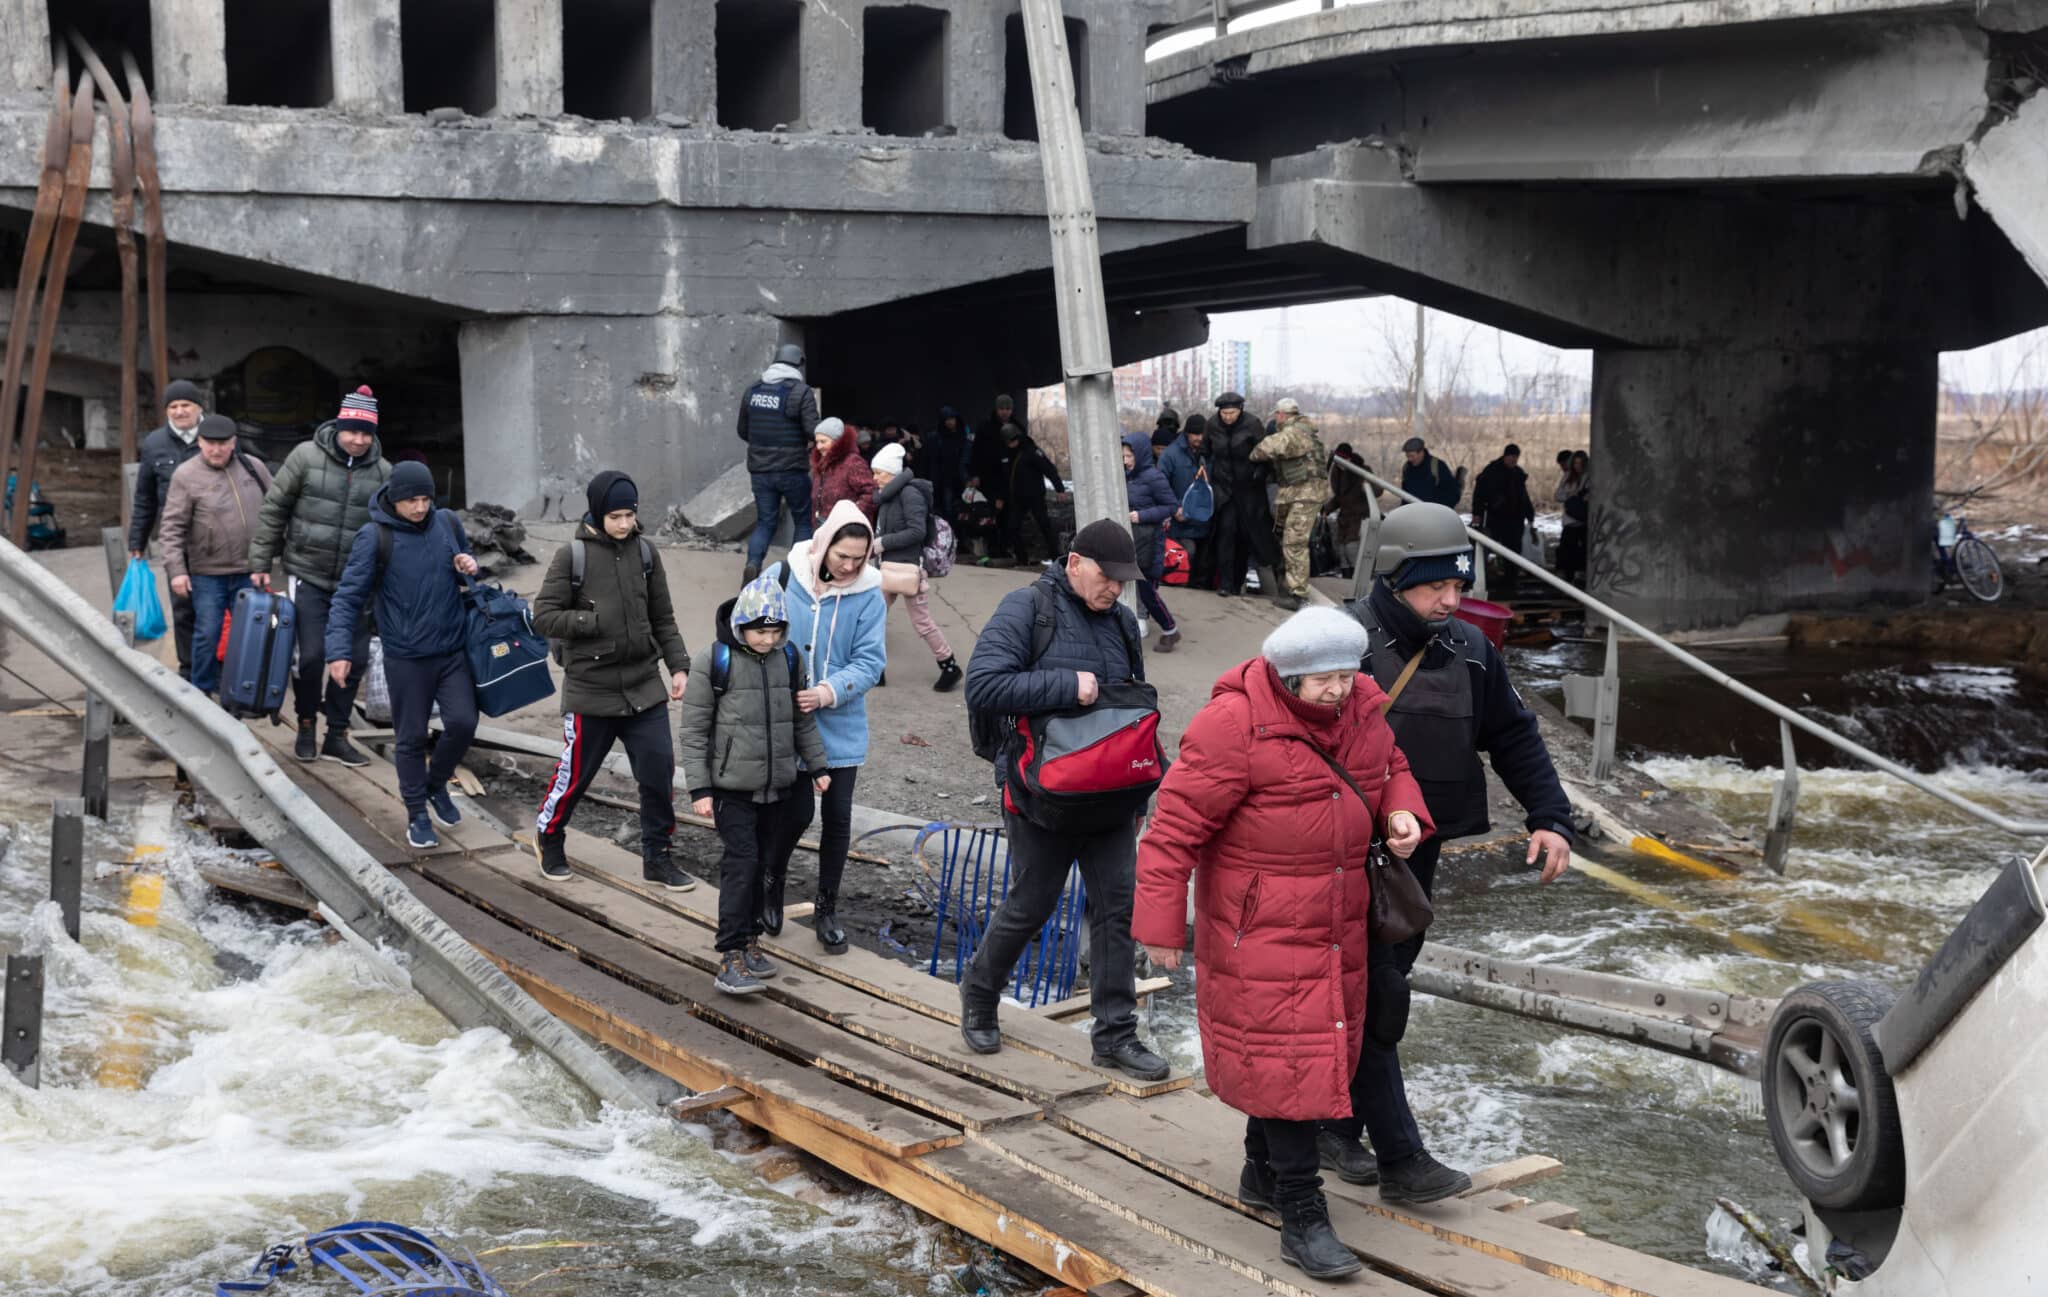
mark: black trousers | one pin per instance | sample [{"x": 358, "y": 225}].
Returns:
[
  {"x": 311, "y": 604},
  {"x": 755, "y": 834},
  {"x": 1379, "y": 1099},
  {"x": 182, "y": 619},
  {"x": 1289, "y": 1147},
  {"x": 1510, "y": 576},
  {"x": 1039, "y": 862},
  {"x": 650, "y": 747},
  {"x": 1202, "y": 561},
  {"x": 1014, "y": 514},
  {"x": 1243, "y": 529},
  {"x": 835, "y": 836},
  {"x": 417, "y": 684}
]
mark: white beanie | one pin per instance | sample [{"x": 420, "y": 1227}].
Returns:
[
  {"x": 1313, "y": 641},
  {"x": 889, "y": 459}
]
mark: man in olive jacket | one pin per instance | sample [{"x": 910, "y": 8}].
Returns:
[
  {"x": 614, "y": 632},
  {"x": 318, "y": 503}
]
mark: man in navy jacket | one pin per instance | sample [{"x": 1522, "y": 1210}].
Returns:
[{"x": 409, "y": 558}]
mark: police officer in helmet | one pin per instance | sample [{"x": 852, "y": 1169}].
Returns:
[
  {"x": 777, "y": 417},
  {"x": 1454, "y": 703}
]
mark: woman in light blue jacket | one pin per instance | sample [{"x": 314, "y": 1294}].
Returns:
[{"x": 838, "y": 619}]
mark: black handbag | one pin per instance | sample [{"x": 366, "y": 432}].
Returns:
[{"x": 1399, "y": 909}]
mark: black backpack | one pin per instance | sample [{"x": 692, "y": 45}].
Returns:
[{"x": 991, "y": 732}]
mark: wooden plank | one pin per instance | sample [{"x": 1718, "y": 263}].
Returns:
[
  {"x": 775, "y": 1027},
  {"x": 1208, "y": 1229},
  {"x": 383, "y": 836},
  {"x": 1514, "y": 1175},
  {"x": 470, "y": 835},
  {"x": 859, "y": 968},
  {"x": 1075, "y": 1006},
  {"x": 272, "y": 885},
  {"x": 725, "y": 1096},
  {"x": 1554, "y": 1214},
  {"x": 1040, "y": 1079},
  {"x": 786, "y": 1096},
  {"x": 1496, "y": 1200},
  {"x": 1195, "y": 1141}
]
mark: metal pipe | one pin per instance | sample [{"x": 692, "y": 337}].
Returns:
[{"x": 2003, "y": 823}]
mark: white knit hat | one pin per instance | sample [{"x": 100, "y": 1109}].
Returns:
[
  {"x": 889, "y": 459},
  {"x": 1313, "y": 641}
]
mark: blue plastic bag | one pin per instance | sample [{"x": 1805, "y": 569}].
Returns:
[
  {"x": 1198, "y": 503},
  {"x": 138, "y": 595}
]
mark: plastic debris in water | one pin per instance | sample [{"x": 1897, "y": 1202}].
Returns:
[{"x": 376, "y": 1258}]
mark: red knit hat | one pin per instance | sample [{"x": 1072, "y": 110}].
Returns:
[{"x": 358, "y": 412}]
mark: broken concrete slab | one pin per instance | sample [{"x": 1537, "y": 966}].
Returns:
[{"x": 724, "y": 509}]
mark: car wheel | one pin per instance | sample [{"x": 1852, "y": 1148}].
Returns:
[{"x": 1829, "y": 1100}]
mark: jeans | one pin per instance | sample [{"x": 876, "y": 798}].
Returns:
[
  {"x": 212, "y": 596},
  {"x": 416, "y": 685},
  {"x": 772, "y": 491},
  {"x": 1379, "y": 1099},
  {"x": 650, "y": 749},
  {"x": 312, "y": 679},
  {"x": 1289, "y": 1147},
  {"x": 1039, "y": 862},
  {"x": 755, "y": 836}
]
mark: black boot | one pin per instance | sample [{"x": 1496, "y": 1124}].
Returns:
[
  {"x": 1306, "y": 1239},
  {"x": 1349, "y": 1158},
  {"x": 949, "y": 676},
  {"x": 554, "y": 860},
  {"x": 978, "y": 1026},
  {"x": 1255, "y": 1185},
  {"x": 306, "y": 747},
  {"x": 771, "y": 905},
  {"x": 825, "y": 922},
  {"x": 1421, "y": 1179}
]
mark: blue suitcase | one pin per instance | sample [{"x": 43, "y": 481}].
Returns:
[{"x": 256, "y": 670}]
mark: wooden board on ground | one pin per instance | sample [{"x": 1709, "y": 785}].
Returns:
[
  {"x": 775, "y": 1027},
  {"x": 265, "y": 884},
  {"x": 1075, "y": 1006},
  {"x": 1517, "y": 1174}
]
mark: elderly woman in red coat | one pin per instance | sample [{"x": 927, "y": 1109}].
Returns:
[
  {"x": 838, "y": 472},
  {"x": 1276, "y": 842}
]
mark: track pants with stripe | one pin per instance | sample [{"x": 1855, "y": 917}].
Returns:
[{"x": 650, "y": 748}]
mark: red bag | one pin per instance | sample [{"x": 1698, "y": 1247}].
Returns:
[
  {"x": 1089, "y": 769},
  {"x": 227, "y": 622},
  {"x": 1176, "y": 563}
]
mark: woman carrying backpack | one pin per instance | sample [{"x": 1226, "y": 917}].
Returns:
[
  {"x": 836, "y": 619},
  {"x": 903, "y": 526}
]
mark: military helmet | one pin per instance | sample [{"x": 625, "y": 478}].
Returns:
[
  {"x": 1419, "y": 531},
  {"x": 790, "y": 354}
]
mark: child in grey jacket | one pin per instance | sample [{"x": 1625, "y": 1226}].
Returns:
[{"x": 744, "y": 743}]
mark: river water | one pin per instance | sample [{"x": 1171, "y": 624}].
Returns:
[{"x": 215, "y": 1082}]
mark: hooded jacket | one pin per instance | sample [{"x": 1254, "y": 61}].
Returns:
[
  {"x": 1151, "y": 497},
  {"x": 318, "y": 503},
  {"x": 159, "y": 456},
  {"x": 1500, "y": 501},
  {"x": 1180, "y": 462},
  {"x": 840, "y": 628},
  {"x": 619, "y": 632},
  {"x": 210, "y": 514},
  {"x": 840, "y": 473},
  {"x": 942, "y": 460},
  {"x": 751, "y": 741},
  {"x": 417, "y": 598},
  {"x": 902, "y": 517},
  {"x": 1026, "y": 469},
  {"x": 777, "y": 417},
  {"x": 1276, "y": 844}
]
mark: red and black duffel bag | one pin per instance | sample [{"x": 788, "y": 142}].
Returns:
[{"x": 1088, "y": 769}]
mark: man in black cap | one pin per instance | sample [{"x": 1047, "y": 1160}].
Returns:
[
  {"x": 160, "y": 454},
  {"x": 1428, "y": 478},
  {"x": 1049, "y": 647}
]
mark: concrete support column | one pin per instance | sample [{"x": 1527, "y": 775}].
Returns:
[
  {"x": 976, "y": 45},
  {"x": 190, "y": 38},
  {"x": 529, "y": 58},
  {"x": 369, "y": 67},
  {"x": 832, "y": 63},
  {"x": 1116, "y": 70},
  {"x": 549, "y": 401},
  {"x": 685, "y": 59},
  {"x": 1729, "y": 483},
  {"x": 24, "y": 47}
]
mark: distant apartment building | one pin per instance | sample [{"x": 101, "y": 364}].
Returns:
[{"x": 1187, "y": 380}]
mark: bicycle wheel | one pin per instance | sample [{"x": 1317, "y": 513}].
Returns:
[{"x": 1979, "y": 570}]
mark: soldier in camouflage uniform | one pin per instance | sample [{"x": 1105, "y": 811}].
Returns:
[{"x": 1299, "y": 465}]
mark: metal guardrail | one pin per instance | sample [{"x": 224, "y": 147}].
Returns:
[
  {"x": 357, "y": 895},
  {"x": 1617, "y": 623},
  {"x": 1215, "y": 16}
]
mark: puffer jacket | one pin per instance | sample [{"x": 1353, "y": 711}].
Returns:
[
  {"x": 1002, "y": 678},
  {"x": 903, "y": 511},
  {"x": 418, "y": 597},
  {"x": 159, "y": 456},
  {"x": 841, "y": 628},
  {"x": 1151, "y": 497},
  {"x": 839, "y": 473},
  {"x": 318, "y": 503},
  {"x": 1180, "y": 462},
  {"x": 210, "y": 514},
  {"x": 615, "y": 635},
  {"x": 750, "y": 741},
  {"x": 1276, "y": 844}
]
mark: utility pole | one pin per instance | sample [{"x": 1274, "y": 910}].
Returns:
[
  {"x": 1093, "y": 437},
  {"x": 1415, "y": 405}
]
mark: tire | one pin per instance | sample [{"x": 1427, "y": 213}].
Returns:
[
  {"x": 1979, "y": 570},
  {"x": 1833, "y": 1116}
]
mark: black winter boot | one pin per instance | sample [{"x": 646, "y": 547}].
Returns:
[
  {"x": 825, "y": 922},
  {"x": 771, "y": 905},
  {"x": 306, "y": 746},
  {"x": 1421, "y": 1179},
  {"x": 1349, "y": 1158},
  {"x": 949, "y": 676},
  {"x": 1255, "y": 1185},
  {"x": 1306, "y": 1239}
]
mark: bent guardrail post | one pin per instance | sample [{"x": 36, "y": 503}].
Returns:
[
  {"x": 355, "y": 892},
  {"x": 21, "y": 1020},
  {"x": 1784, "y": 804}
]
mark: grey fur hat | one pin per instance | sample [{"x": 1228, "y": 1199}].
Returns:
[{"x": 1315, "y": 640}]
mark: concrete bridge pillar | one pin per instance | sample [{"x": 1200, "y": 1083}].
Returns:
[
  {"x": 832, "y": 48},
  {"x": 685, "y": 59},
  {"x": 369, "y": 68},
  {"x": 529, "y": 58},
  {"x": 1728, "y": 482},
  {"x": 24, "y": 47},
  {"x": 190, "y": 38}
]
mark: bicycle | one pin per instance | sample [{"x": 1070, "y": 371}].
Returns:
[{"x": 1960, "y": 556}]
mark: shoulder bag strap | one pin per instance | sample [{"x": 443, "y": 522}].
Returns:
[{"x": 1400, "y": 683}]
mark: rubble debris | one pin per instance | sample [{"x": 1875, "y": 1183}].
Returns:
[{"x": 494, "y": 527}]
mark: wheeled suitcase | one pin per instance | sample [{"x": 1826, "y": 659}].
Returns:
[{"x": 256, "y": 670}]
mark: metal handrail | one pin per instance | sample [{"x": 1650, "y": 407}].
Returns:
[{"x": 2003, "y": 823}]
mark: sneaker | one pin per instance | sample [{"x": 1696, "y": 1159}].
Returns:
[
  {"x": 1134, "y": 1060},
  {"x": 978, "y": 1026},
  {"x": 949, "y": 676},
  {"x": 338, "y": 748},
  {"x": 305, "y": 745},
  {"x": 419, "y": 831},
  {"x": 1349, "y": 1158},
  {"x": 444, "y": 805},
  {"x": 662, "y": 872},
  {"x": 758, "y": 964},
  {"x": 1168, "y": 642},
  {"x": 1421, "y": 1179},
  {"x": 554, "y": 861},
  {"x": 733, "y": 977}
]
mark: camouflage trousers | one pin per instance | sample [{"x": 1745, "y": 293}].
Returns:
[{"x": 1297, "y": 525}]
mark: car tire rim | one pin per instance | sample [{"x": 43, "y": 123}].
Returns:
[{"x": 1819, "y": 1105}]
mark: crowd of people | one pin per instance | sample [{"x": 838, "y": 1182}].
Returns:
[{"x": 1349, "y": 729}]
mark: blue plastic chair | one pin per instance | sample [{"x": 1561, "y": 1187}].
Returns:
[{"x": 378, "y": 1259}]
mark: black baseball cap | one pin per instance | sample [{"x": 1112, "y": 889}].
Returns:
[{"x": 1111, "y": 549}]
